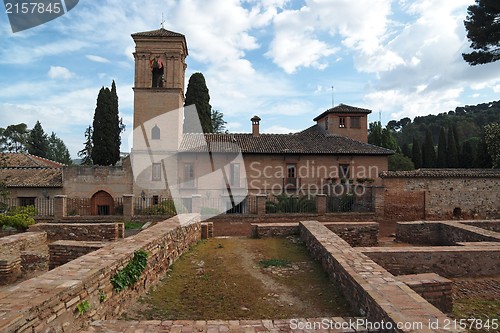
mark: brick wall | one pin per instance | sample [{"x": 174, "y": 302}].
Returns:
[
  {"x": 370, "y": 289},
  {"x": 354, "y": 233},
  {"x": 488, "y": 225},
  {"x": 468, "y": 193},
  {"x": 49, "y": 301},
  {"x": 444, "y": 232},
  {"x": 81, "y": 231},
  {"x": 436, "y": 289},
  {"x": 63, "y": 251},
  {"x": 24, "y": 242},
  {"x": 447, "y": 261}
]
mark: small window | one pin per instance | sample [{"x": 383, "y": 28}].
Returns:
[
  {"x": 155, "y": 133},
  {"x": 341, "y": 121},
  {"x": 26, "y": 201},
  {"x": 156, "y": 200},
  {"x": 156, "y": 172},
  {"x": 235, "y": 175},
  {"x": 344, "y": 171},
  {"x": 326, "y": 123},
  {"x": 189, "y": 174},
  {"x": 291, "y": 170},
  {"x": 355, "y": 122}
]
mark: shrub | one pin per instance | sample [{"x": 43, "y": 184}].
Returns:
[
  {"x": 291, "y": 204},
  {"x": 18, "y": 221},
  {"x": 166, "y": 207}
]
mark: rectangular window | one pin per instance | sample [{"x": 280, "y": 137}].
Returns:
[
  {"x": 189, "y": 174},
  {"x": 26, "y": 201},
  {"x": 156, "y": 200},
  {"x": 156, "y": 171},
  {"x": 326, "y": 123},
  {"x": 291, "y": 175},
  {"x": 341, "y": 121},
  {"x": 344, "y": 171},
  {"x": 355, "y": 122},
  {"x": 235, "y": 175}
]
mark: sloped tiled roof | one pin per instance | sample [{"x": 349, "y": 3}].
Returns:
[
  {"x": 158, "y": 33},
  {"x": 25, "y": 170},
  {"x": 310, "y": 141},
  {"x": 442, "y": 173},
  {"x": 343, "y": 108}
]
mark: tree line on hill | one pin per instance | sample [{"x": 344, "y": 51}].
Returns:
[
  {"x": 467, "y": 137},
  {"x": 18, "y": 138}
]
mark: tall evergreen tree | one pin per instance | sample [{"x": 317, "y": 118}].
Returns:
[
  {"x": 197, "y": 94},
  {"x": 428, "y": 152},
  {"x": 468, "y": 155},
  {"x": 38, "y": 144},
  {"x": 452, "y": 159},
  {"x": 492, "y": 138},
  {"x": 416, "y": 154},
  {"x": 442, "y": 151},
  {"x": 106, "y": 129},
  {"x": 57, "y": 150},
  {"x": 218, "y": 123},
  {"x": 483, "y": 158},
  {"x": 86, "y": 153},
  {"x": 483, "y": 31}
]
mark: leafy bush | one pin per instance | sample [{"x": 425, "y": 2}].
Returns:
[
  {"x": 291, "y": 204},
  {"x": 19, "y": 218},
  {"x": 166, "y": 207}
]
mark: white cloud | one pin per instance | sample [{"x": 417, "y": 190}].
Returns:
[
  {"x": 96, "y": 58},
  {"x": 58, "y": 72},
  {"x": 276, "y": 129}
]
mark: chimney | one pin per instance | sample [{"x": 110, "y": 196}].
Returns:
[{"x": 255, "y": 126}]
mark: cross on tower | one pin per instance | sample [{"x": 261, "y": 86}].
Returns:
[{"x": 162, "y": 21}]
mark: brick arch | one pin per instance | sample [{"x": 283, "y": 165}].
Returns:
[{"x": 102, "y": 203}]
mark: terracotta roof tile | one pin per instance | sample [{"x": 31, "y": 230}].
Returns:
[
  {"x": 343, "y": 108},
  {"x": 442, "y": 173},
  {"x": 158, "y": 33},
  {"x": 25, "y": 170},
  {"x": 310, "y": 141}
]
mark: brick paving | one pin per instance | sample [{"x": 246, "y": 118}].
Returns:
[{"x": 318, "y": 325}]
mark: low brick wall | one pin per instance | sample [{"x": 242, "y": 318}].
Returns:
[
  {"x": 64, "y": 251},
  {"x": 436, "y": 289},
  {"x": 370, "y": 289},
  {"x": 81, "y": 231},
  {"x": 26, "y": 241},
  {"x": 207, "y": 230},
  {"x": 49, "y": 302},
  {"x": 447, "y": 261},
  {"x": 22, "y": 253},
  {"x": 241, "y": 225},
  {"x": 443, "y": 232},
  {"x": 493, "y": 225},
  {"x": 354, "y": 233}
]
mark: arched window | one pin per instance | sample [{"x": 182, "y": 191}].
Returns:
[{"x": 155, "y": 133}]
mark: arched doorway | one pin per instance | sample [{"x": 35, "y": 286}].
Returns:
[{"x": 102, "y": 203}]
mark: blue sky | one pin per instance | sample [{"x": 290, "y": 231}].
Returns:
[{"x": 275, "y": 58}]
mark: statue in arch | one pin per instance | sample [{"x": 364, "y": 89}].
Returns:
[{"x": 156, "y": 65}]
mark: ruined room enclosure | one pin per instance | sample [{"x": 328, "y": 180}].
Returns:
[{"x": 374, "y": 280}]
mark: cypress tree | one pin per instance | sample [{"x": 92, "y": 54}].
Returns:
[
  {"x": 452, "y": 150},
  {"x": 483, "y": 158},
  {"x": 416, "y": 154},
  {"x": 468, "y": 155},
  {"x": 38, "y": 144},
  {"x": 197, "y": 94},
  {"x": 106, "y": 130},
  {"x": 428, "y": 152},
  {"x": 442, "y": 151}
]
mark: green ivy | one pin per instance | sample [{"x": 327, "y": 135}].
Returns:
[
  {"x": 83, "y": 307},
  {"x": 131, "y": 273}
]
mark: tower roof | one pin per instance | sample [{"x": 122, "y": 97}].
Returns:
[
  {"x": 343, "y": 108},
  {"x": 158, "y": 33}
]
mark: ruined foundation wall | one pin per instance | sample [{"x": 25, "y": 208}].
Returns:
[
  {"x": 49, "y": 302},
  {"x": 81, "y": 231}
]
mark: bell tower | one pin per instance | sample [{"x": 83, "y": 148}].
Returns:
[{"x": 159, "y": 79}]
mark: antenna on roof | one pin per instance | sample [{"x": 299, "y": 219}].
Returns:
[
  {"x": 333, "y": 96},
  {"x": 162, "y": 21}
]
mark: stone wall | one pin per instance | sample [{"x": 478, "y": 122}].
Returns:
[
  {"x": 81, "y": 231},
  {"x": 354, "y": 233},
  {"x": 241, "y": 225},
  {"x": 49, "y": 302},
  {"x": 493, "y": 225},
  {"x": 371, "y": 290},
  {"x": 63, "y": 251},
  {"x": 447, "y": 261},
  {"x": 434, "y": 288},
  {"x": 443, "y": 193},
  {"x": 21, "y": 254},
  {"x": 444, "y": 232}
]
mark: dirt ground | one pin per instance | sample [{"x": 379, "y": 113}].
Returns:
[{"x": 226, "y": 279}]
